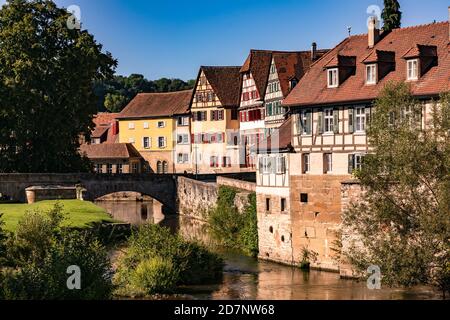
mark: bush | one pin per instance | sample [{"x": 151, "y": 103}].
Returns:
[
  {"x": 248, "y": 235},
  {"x": 3, "y": 240},
  {"x": 155, "y": 275},
  {"x": 188, "y": 263},
  {"x": 40, "y": 254},
  {"x": 233, "y": 229}
]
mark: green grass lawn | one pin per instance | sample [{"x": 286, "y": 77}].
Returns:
[{"x": 80, "y": 214}]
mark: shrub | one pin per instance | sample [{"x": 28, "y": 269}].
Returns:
[
  {"x": 47, "y": 279},
  {"x": 40, "y": 253},
  {"x": 233, "y": 229},
  {"x": 155, "y": 275},
  {"x": 248, "y": 235},
  {"x": 187, "y": 263},
  {"x": 3, "y": 240}
]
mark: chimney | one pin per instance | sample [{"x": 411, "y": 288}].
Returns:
[
  {"x": 314, "y": 51},
  {"x": 374, "y": 32}
]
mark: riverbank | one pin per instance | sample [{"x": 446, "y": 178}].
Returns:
[{"x": 80, "y": 214}]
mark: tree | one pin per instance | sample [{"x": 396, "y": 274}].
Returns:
[
  {"x": 402, "y": 223},
  {"x": 46, "y": 96},
  {"x": 392, "y": 16},
  {"x": 113, "y": 95},
  {"x": 115, "y": 102}
]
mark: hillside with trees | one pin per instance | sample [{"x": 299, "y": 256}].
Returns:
[{"x": 114, "y": 94}]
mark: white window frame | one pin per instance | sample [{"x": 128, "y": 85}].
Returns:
[
  {"x": 333, "y": 74},
  {"x": 164, "y": 142},
  {"x": 159, "y": 126},
  {"x": 184, "y": 139},
  {"x": 360, "y": 119},
  {"x": 371, "y": 74},
  {"x": 358, "y": 162},
  {"x": 180, "y": 158},
  {"x": 184, "y": 121},
  {"x": 131, "y": 126},
  {"x": 109, "y": 168},
  {"x": 119, "y": 168},
  {"x": 306, "y": 162},
  {"x": 328, "y": 115},
  {"x": 281, "y": 165},
  {"x": 149, "y": 140},
  {"x": 146, "y": 125},
  {"x": 412, "y": 74},
  {"x": 132, "y": 140},
  {"x": 329, "y": 162}
]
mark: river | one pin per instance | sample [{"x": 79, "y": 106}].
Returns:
[{"x": 249, "y": 279}]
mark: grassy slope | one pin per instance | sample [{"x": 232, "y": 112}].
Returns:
[{"x": 79, "y": 213}]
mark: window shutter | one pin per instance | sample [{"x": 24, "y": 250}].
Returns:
[
  {"x": 325, "y": 163},
  {"x": 336, "y": 121},
  {"x": 308, "y": 122},
  {"x": 351, "y": 120},
  {"x": 320, "y": 123},
  {"x": 351, "y": 163}
]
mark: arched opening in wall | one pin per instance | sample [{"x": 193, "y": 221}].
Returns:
[
  {"x": 271, "y": 229},
  {"x": 159, "y": 167},
  {"x": 282, "y": 239},
  {"x": 165, "y": 167}
]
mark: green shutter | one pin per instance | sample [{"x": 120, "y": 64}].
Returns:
[
  {"x": 336, "y": 121},
  {"x": 320, "y": 123},
  {"x": 351, "y": 120},
  {"x": 351, "y": 163},
  {"x": 308, "y": 121}
]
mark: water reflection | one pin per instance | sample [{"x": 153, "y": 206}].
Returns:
[{"x": 248, "y": 279}]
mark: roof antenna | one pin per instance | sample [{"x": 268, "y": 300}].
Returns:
[{"x": 349, "y": 28}]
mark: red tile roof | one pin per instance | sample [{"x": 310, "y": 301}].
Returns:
[
  {"x": 226, "y": 83},
  {"x": 292, "y": 65},
  {"x": 105, "y": 118},
  {"x": 312, "y": 88},
  {"x": 157, "y": 105},
  {"x": 99, "y": 131},
  {"x": 109, "y": 151},
  {"x": 295, "y": 62},
  {"x": 105, "y": 123}
]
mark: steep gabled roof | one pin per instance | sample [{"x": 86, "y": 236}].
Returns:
[
  {"x": 157, "y": 105},
  {"x": 292, "y": 65},
  {"x": 312, "y": 88},
  {"x": 288, "y": 63},
  {"x": 109, "y": 151},
  {"x": 226, "y": 83},
  {"x": 258, "y": 63}
]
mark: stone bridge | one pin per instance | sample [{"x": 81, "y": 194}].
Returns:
[{"x": 160, "y": 187}]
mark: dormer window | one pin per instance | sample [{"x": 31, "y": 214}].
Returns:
[
  {"x": 413, "y": 69},
  {"x": 333, "y": 78},
  {"x": 371, "y": 74}
]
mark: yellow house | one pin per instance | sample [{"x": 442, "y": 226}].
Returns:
[
  {"x": 215, "y": 121},
  {"x": 150, "y": 122}
]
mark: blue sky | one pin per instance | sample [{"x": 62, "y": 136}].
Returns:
[{"x": 173, "y": 38}]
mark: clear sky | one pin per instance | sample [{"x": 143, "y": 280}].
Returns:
[{"x": 172, "y": 38}]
